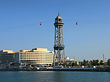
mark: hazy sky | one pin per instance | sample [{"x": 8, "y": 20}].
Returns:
[{"x": 20, "y": 29}]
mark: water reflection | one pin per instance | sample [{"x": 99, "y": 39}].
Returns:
[{"x": 55, "y": 76}]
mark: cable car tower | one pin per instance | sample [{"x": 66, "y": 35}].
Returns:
[{"x": 58, "y": 41}]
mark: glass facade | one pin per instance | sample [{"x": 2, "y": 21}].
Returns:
[{"x": 6, "y": 58}]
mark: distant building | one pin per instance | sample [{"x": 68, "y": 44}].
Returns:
[
  {"x": 109, "y": 62},
  {"x": 36, "y": 56},
  {"x": 6, "y": 56},
  {"x": 68, "y": 60}
]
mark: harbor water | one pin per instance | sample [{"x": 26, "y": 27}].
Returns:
[{"x": 53, "y": 76}]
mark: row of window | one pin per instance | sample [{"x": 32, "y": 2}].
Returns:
[
  {"x": 36, "y": 56},
  {"x": 37, "y": 61},
  {"x": 33, "y": 56},
  {"x": 36, "y": 53}
]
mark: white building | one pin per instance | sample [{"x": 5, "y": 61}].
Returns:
[
  {"x": 36, "y": 56},
  {"x": 68, "y": 60}
]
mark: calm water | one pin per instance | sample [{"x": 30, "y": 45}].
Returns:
[{"x": 55, "y": 76}]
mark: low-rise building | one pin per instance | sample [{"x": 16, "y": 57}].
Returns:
[
  {"x": 36, "y": 56},
  {"x": 68, "y": 60},
  {"x": 109, "y": 62},
  {"x": 6, "y": 56}
]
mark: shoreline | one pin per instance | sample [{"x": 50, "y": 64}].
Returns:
[{"x": 61, "y": 69}]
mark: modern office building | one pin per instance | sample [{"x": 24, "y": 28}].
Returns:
[
  {"x": 6, "y": 56},
  {"x": 36, "y": 56}
]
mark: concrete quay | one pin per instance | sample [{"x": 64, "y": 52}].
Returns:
[{"x": 99, "y": 69}]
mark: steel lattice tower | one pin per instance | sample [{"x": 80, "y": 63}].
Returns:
[{"x": 58, "y": 40}]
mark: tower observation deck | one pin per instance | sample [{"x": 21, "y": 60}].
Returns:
[{"x": 58, "y": 40}]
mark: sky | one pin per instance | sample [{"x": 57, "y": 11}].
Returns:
[{"x": 20, "y": 26}]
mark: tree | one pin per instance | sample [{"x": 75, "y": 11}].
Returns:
[
  {"x": 56, "y": 63},
  {"x": 101, "y": 62},
  {"x": 84, "y": 62},
  {"x": 93, "y": 63},
  {"x": 97, "y": 62},
  {"x": 73, "y": 64},
  {"x": 69, "y": 64},
  {"x": 64, "y": 64},
  {"x": 76, "y": 64},
  {"x": 106, "y": 63}
]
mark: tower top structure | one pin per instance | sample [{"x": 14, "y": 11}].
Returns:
[
  {"x": 58, "y": 21},
  {"x": 58, "y": 17}
]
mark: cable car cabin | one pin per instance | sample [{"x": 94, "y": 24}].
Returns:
[
  {"x": 76, "y": 23},
  {"x": 40, "y": 23}
]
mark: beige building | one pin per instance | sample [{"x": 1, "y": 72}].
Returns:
[{"x": 36, "y": 56}]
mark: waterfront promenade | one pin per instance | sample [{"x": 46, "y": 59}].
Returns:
[{"x": 98, "y": 69}]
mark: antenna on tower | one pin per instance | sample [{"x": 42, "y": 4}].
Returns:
[{"x": 58, "y": 14}]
